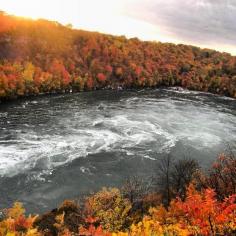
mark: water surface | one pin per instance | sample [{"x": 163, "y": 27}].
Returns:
[{"x": 58, "y": 147}]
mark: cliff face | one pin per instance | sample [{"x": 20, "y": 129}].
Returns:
[{"x": 44, "y": 56}]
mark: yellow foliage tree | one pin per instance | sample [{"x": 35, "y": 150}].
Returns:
[
  {"x": 110, "y": 209},
  {"x": 16, "y": 224}
]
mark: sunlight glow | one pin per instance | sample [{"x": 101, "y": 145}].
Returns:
[{"x": 106, "y": 16}]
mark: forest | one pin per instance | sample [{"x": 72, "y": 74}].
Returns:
[
  {"x": 41, "y": 56},
  {"x": 181, "y": 199},
  {"x": 45, "y": 57}
]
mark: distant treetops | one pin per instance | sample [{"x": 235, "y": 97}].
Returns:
[{"x": 46, "y": 57}]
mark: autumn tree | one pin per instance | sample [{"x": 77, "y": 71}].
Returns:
[
  {"x": 173, "y": 176},
  {"x": 109, "y": 208},
  {"x": 221, "y": 177}
]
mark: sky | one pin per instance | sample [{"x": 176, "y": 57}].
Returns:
[{"x": 204, "y": 23}]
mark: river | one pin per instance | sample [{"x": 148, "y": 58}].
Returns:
[{"x": 63, "y": 146}]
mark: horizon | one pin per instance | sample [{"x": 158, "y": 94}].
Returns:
[{"x": 134, "y": 18}]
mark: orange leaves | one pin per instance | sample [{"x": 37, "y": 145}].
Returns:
[
  {"x": 119, "y": 71},
  {"x": 91, "y": 220},
  {"x": 65, "y": 54},
  {"x": 6, "y": 23},
  {"x": 202, "y": 210},
  {"x": 101, "y": 77},
  {"x": 60, "y": 73},
  {"x": 16, "y": 223},
  {"x": 199, "y": 214},
  {"x": 16, "y": 211},
  {"x": 93, "y": 231},
  {"x": 141, "y": 81},
  {"x": 108, "y": 68},
  {"x": 138, "y": 71},
  {"x": 228, "y": 210},
  {"x": 89, "y": 84},
  {"x": 109, "y": 208},
  {"x": 222, "y": 176},
  {"x": 23, "y": 223}
]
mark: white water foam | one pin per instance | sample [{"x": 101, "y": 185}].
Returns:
[{"x": 138, "y": 126}]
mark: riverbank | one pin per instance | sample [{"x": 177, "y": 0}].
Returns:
[
  {"x": 118, "y": 89},
  {"x": 189, "y": 202}
]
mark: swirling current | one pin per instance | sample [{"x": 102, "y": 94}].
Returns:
[{"x": 63, "y": 146}]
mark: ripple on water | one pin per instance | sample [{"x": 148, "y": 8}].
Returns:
[{"x": 51, "y": 133}]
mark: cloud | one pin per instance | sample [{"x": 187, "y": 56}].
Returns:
[{"x": 201, "y": 22}]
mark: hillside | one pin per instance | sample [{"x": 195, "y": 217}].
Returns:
[
  {"x": 46, "y": 57},
  {"x": 198, "y": 204}
]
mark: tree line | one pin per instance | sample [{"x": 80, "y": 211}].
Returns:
[{"x": 40, "y": 56}]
